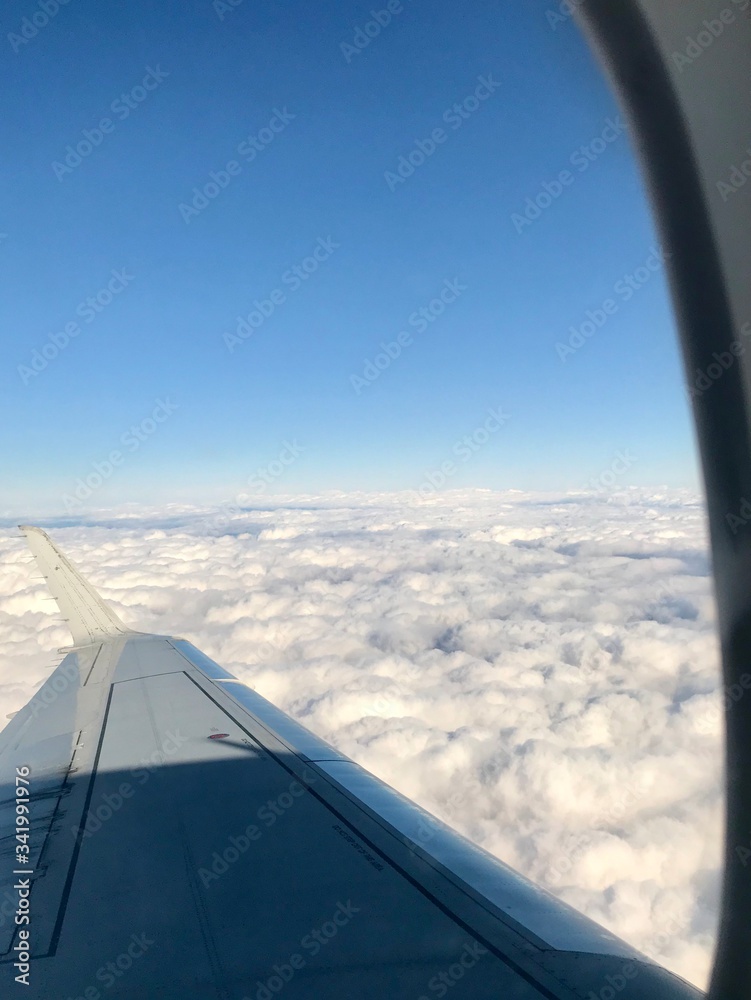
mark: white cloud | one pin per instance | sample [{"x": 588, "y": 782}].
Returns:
[{"x": 541, "y": 672}]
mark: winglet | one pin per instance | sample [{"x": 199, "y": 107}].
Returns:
[{"x": 89, "y": 618}]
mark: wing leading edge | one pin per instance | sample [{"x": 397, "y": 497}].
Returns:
[{"x": 188, "y": 839}]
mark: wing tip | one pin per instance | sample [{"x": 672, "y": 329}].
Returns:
[
  {"x": 31, "y": 529},
  {"x": 88, "y": 616}
]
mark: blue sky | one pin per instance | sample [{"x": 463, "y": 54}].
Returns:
[{"x": 304, "y": 132}]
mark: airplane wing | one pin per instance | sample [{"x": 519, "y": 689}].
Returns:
[{"x": 166, "y": 832}]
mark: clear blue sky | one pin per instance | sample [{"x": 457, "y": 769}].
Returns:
[{"x": 316, "y": 128}]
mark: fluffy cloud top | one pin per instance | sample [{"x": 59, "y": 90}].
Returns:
[{"x": 541, "y": 672}]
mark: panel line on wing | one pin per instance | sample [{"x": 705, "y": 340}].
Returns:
[
  {"x": 79, "y": 839},
  {"x": 96, "y": 657}
]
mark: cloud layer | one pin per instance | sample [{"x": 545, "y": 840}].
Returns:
[{"x": 541, "y": 672}]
